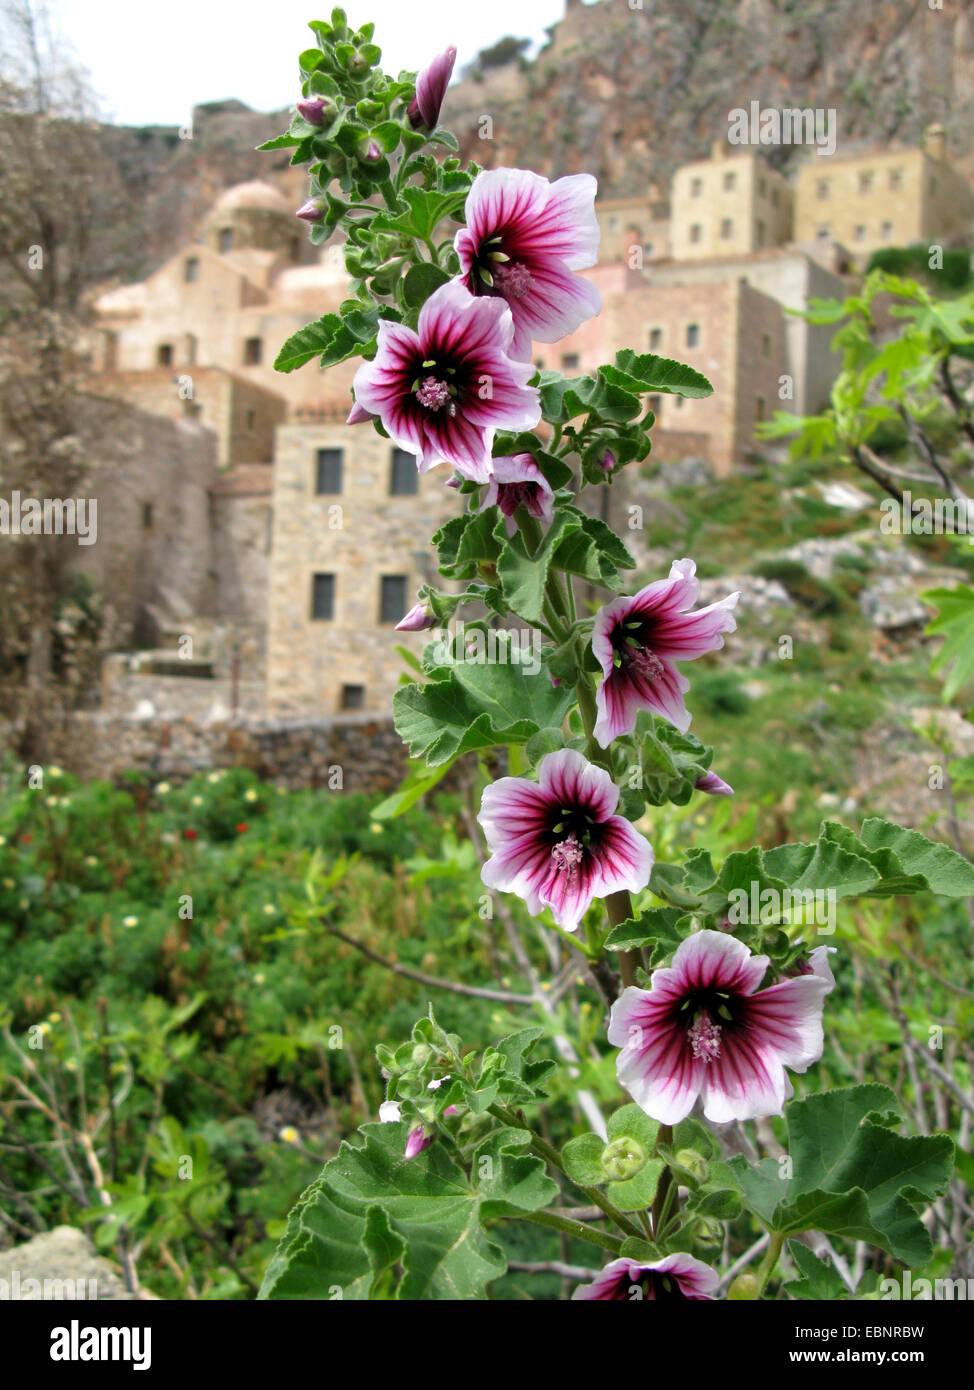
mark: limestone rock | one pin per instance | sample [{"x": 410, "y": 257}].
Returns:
[{"x": 61, "y": 1264}]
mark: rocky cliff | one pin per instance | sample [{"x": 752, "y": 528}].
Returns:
[{"x": 627, "y": 93}]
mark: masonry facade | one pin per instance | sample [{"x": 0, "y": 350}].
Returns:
[{"x": 304, "y": 540}]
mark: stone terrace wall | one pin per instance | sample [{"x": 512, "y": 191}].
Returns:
[{"x": 293, "y": 754}]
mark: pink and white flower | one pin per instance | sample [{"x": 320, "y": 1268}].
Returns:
[
  {"x": 638, "y": 639},
  {"x": 679, "y": 1276},
  {"x": 706, "y": 1029},
  {"x": 443, "y": 389},
  {"x": 431, "y": 85},
  {"x": 556, "y": 842},
  {"x": 523, "y": 240},
  {"x": 516, "y": 481}
]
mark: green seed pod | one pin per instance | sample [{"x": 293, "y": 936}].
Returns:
[
  {"x": 744, "y": 1288},
  {"x": 695, "y": 1164},
  {"x": 623, "y": 1159},
  {"x": 707, "y": 1231}
]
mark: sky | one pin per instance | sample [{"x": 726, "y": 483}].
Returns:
[{"x": 150, "y": 64}]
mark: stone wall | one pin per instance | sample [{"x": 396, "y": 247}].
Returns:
[
  {"x": 243, "y": 413},
  {"x": 294, "y": 754},
  {"x": 151, "y": 477}
]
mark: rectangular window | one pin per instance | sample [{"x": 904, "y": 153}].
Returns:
[
  {"x": 404, "y": 475},
  {"x": 761, "y": 187},
  {"x": 759, "y": 409},
  {"x": 696, "y": 188},
  {"x": 146, "y": 516},
  {"x": 226, "y": 239},
  {"x": 569, "y": 362},
  {"x": 328, "y": 471},
  {"x": 392, "y": 598},
  {"x": 766, "y": 344},
  {"x": 191, "y": 270},
  {"x": 164, "y": 355},
  {"x": 323, "y": 597},
  {"x": 760, "y": 232},
  {"x": 865, "y": 183},
  {"x": 823, "y": 190},
  {"x": 693, "y": 335},
  {"x": 887, "y": 231},
  {"x": 353, "y": 697},
  {"x": 655, "y": 338},
  {"x": 730, "y": 179},
  {"x": 253, "y": 351},
  {"x": 726, "y": 228},
  {"x": 695, "y": 232},
  {"x": 860, "y": 233},
  {"x": 823, "y": 233},
  {"x": 251, "y": 418},
  {"x": 895, "y": 180}
]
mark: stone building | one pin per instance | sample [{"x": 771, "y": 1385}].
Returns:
[
  {"x": 728, "y": 205},
  {"x": 791, "y": 277},
  {"x": 352, "y": 521},
  {"x": 883, "y": 197}
]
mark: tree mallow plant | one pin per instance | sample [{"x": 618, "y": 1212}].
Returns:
[{"x": 707, "y": 1011}]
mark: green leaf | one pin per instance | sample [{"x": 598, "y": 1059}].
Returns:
[
  {"x": 582, "y": 1158},
  {"x": 333, "y": 337},
  {"x": 850, "y": 1176},
  {"x": 655, "y": 926},
  {"x": 474, "y": 705},
  {"x": 671, "y": 762},
  {"x": 431, "y": 1216},
  {"x": 956, "y": 621},
  {"x": 415, "y": 785},
  {"x": 279, "y": 142},
  {"x": 820, "y": 1282},
  {"x": 467, "y": 541},
  {"x": 647, "y": 372},
  {"x": 421, "y": 281},
  {"x": 424, "y": 210},
  {"x": 637, "y": 1193}
]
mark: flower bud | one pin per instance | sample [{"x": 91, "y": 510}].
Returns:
[
  {"x": 695, "y": 1164},
  {"x": 358, "y": 64},
  {"x": 369, "y": 151},
  {"x": 608, "y": 461},
  {"x": 316, "y": 110},
  {"x": 311, "y": 211},
  {"x": 707, "y": 1231},
  {"x": 623, "y": 1159},
  {"x": 421, "y": 1054},
  {"x": 744, "y": 1288},
  {"x": 418, "y": 1141},
  {"x": 418, "y": 619}
]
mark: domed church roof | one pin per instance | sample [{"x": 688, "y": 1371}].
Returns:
[{"x": 255, "y": 194}]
